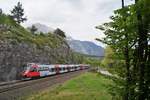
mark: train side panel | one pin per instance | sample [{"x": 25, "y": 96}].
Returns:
[
  {"x": 39, "y": 70},
  {"x": 46, "y": 70}
]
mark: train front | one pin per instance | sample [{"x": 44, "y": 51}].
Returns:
[{"x": 30, "y": 71}]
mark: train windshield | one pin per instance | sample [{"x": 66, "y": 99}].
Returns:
[
  {"x": 31, "y": 68},
  {"x": 27, "y": 67}
]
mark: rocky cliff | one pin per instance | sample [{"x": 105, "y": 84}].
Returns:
[{"x": 19, "y": 47}]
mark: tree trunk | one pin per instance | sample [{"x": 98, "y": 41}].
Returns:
[
  {"x": 142, "y": 52},
  {"x": 128, "y": 76}
]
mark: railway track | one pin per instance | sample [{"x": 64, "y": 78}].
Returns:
[
  {"x": 12, "y": 82},
  {"x": 7, "y": 83},
  {"x": 24, "y": 88}
]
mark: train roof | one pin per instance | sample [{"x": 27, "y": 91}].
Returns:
[{"x": 60, "y": 65}]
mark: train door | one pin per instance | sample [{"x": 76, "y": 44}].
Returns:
[
  {"x": 53, "y": 70},
  {"x": 68, "y": 68},
  {"x": 57, "y": 69}
]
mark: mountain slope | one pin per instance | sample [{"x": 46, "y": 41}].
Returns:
[{"x": 86, "y": 47}]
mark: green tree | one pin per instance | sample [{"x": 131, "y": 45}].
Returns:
[
  {"x": 60, "y": 33},
  {"x": 33, "y": 29},
  {"x": 127, "y": 34},
  {"x": 108, "y": 60},
  {"x": 18, "y": 13},
  {"x": 121, "y": 35},
  {"x": 143, "y": 23}
]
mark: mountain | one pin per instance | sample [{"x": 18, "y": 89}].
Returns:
[
  {"x": 43, "y": 28},
  {"x": 83, "y": 47},
  {"x": 86, "y": 47}
]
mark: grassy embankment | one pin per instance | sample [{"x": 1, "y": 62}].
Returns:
[
  {"x": 89, "y": 86},
  {"x": 17, "y": 34}
]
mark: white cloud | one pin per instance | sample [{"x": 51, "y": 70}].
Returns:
[{"x": 76, "y": 17}]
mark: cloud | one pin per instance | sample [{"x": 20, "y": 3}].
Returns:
[{"x": 76, "y": 17}]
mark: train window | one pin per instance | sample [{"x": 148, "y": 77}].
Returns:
[
  {"x": 52, "y": 69},
  {"x": 26, "y": 68},
  {"x": 33, "y": 69},
  {"x": 64, "y": 68},
  {"x": 29, "y": 65},
  {"x": 43, "y": 69}
]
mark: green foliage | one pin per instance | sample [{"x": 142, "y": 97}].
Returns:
[
  {"x": 121, "y": 35},
  {"x": 83, "y": 59},
  {"x": 112, "y": 63},
  {"x": 33, "y": 29},
  {"x": 108, "y": 59},
  {"x": 18, "y": 13},
  {"x": 93, "y": 62},
  {"x": 7, "y": 20},
  {"x": 128, "y": 35},
  {"x": 59, "y": 32},
  {"x": 15, "y": 32},
  {"x": 117, "y": 29}
]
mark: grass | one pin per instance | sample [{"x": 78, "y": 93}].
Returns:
[{"x": 89, "y": 86}]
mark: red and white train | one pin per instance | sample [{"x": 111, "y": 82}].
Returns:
[{"x": 33, "y": 70}]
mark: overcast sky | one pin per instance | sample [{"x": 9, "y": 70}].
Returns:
[{"x": 77, "y": 18}]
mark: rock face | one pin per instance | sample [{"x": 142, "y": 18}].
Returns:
[
  {"x": 14, "y": 56},
  {"x": 86, "y": 47},
  {"x": 18, "y": 46}
]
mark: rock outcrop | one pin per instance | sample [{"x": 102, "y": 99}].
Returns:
[
  {"x": 19, "y": 47},
  {"x": 14, "y": 56}
]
